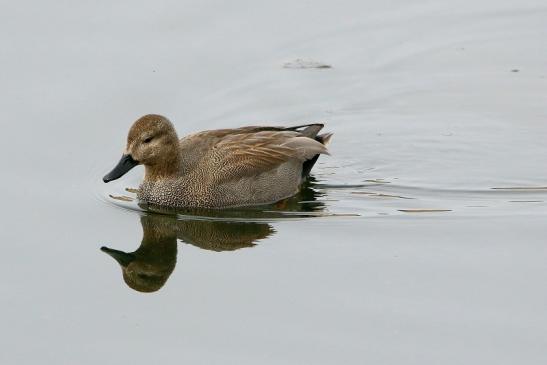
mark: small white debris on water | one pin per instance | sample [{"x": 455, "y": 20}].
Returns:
[{"x": 301, "y": 63}]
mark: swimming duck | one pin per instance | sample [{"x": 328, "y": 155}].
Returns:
[{"x": 219, "y": 168}]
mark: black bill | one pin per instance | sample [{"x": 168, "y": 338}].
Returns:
[
  {"x": 123, "y": 258},
  {"x": 126, "y": 163}
]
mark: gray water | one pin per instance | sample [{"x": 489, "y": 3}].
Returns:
[{"x": 421, "y": 240}]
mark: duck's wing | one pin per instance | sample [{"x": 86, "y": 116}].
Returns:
[
  {"x": 196, "y": 148},
  {"x": 249, "y": 154},
  {"x": 213, "y": 136},
  {"x": 201, "y": 142}
]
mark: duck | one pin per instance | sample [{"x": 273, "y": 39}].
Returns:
[{"x": 222, "y": 168}]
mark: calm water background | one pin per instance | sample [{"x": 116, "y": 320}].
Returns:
[{"x": 434, "y": 106}]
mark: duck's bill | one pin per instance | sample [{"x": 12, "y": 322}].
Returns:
[
  {"x": 126, "y": 163},
  {"x": 123, "y": 258}
]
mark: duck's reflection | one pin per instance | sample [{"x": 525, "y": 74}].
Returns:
[{"x": 148, "y": 268}]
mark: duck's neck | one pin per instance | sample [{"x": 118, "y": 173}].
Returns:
[{"x": 166, "y": 168}]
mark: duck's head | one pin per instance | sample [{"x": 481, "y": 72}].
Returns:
[{"x": 152, "y": 141}]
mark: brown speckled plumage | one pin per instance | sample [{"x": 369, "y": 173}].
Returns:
[{"x": 221, "y": 168}]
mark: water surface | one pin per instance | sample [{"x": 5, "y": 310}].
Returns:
[{"x": 420, "y": 240}]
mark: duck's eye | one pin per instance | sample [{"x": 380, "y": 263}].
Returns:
[{"x": 147, "y": 140}]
